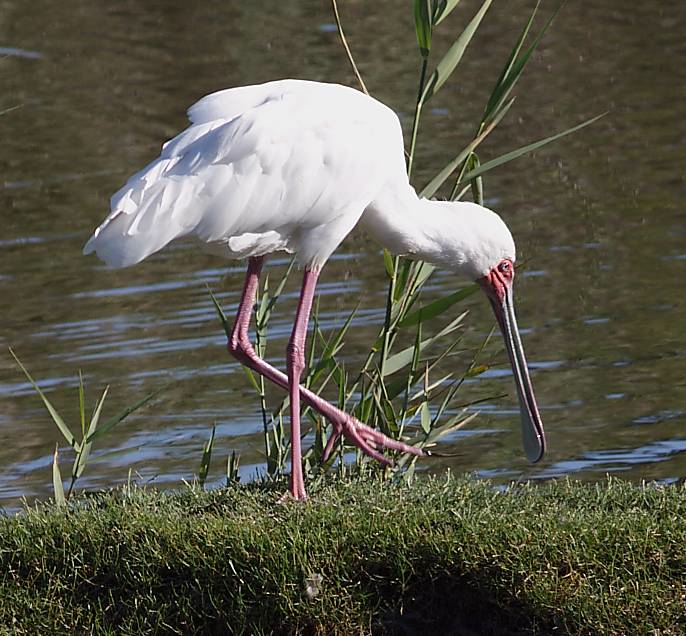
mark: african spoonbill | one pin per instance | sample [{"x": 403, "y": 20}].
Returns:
[{"x": 293, "y": 166}]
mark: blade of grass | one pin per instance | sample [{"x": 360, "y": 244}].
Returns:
[
  {"x": 314, "y": 317},
  {"x": 415, "y": 123},
  {"x": 263, "y": 312},
  {"x": 496, "y": 104},
  {"x": 403, "y": 275},
  {"x": 422, "y": 273},
  {"x": 445, "y": 353},
  {"x": 458, "y": 196}
]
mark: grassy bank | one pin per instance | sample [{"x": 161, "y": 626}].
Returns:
[{"x": 361, "y": 556}]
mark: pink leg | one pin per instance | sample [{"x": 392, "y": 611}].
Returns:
[
  {"x": 295, "y": 361},
  {"x": 364, "y": 437}
]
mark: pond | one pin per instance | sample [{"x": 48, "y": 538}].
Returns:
[{"x": 598, "y": 219}]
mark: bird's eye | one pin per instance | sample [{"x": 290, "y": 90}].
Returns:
[{"x": 505, "y": 267}]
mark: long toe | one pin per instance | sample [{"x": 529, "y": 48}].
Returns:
[{"x": 368, "y": 440}]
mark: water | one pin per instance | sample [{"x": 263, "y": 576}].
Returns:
[{"x": 598, "y": 219}]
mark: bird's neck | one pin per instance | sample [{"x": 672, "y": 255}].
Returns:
[{"x": 434, "y": 231}]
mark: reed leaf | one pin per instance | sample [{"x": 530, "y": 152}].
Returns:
[
  {"x": 251, "y": 377},
  {"x": 443, "y": 10},
  {"x": 430, "y": 189},
  {"x": 279, "y": 290},
  {"x": 113, "y": 421},
  {"x": 425, "y": 417},
  {"x": 56, "y": 417},
  {"x": 476, "y": 183},
  {"x": 57, "y": 486},
  {"x": 403, "y": 358},
  {"x": 514, "y": 154},
  {"x": 335, "y": 343},
  {"x": 453, "y": 424},
  {"x": 437, "y": 307},
  {"x": 206, "y": 458},
  {"x": 452, "y": 58},
  {"x": 422, "y": 25},
  {"x": 430, "y": 387},
  {"x": 515, "y": 64},
  {"x": 82, "y": 405},
  {"x": 232, "y": 463},
  {"x": 220, "y": 313},
  {"x": 388, "y": 263},
  {"x": 85, "y": 448}
]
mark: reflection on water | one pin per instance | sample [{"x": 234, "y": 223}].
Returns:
[
  {"x": 12, "y": 51},
  {"x": 598, "y": 220},
  {"x": 617, "y": 460}
]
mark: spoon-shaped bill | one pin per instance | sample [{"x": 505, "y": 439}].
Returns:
[{"x": 533, "y": 436}]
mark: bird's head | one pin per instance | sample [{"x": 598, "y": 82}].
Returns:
[{"x": 486, "y": 254}]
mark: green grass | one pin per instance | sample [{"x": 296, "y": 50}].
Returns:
[{"x": 451, "y": 555}]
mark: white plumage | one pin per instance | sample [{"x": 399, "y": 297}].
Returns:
[
  {"x": 294, "y": 165},
  {"x": 291, "y": 165},
  {"x": 286, "y": 165}
]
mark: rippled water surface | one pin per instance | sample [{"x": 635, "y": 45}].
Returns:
[{"x": 598, "y": 218}]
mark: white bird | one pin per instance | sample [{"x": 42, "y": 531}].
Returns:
[{"x": 293, "y": 166}]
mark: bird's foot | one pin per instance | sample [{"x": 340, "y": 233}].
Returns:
[
  {"x": 367, "y": 439},
  {"x": 289, "y": 496},
  {"x": 295, "y": 492}
]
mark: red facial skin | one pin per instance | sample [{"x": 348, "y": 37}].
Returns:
[{"x": 496, "y": 282}]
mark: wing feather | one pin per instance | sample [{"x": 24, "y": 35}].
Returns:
[{"x": 259, "y": 168}]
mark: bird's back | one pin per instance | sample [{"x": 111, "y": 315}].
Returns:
[{"x": 288, "y": 165}]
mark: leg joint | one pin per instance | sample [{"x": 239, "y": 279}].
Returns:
[
  {"x": 295, "y": 356},
  {"x": 240, "y": 348}
]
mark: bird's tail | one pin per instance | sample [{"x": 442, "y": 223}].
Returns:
[{"x": 152, "y": 209}]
